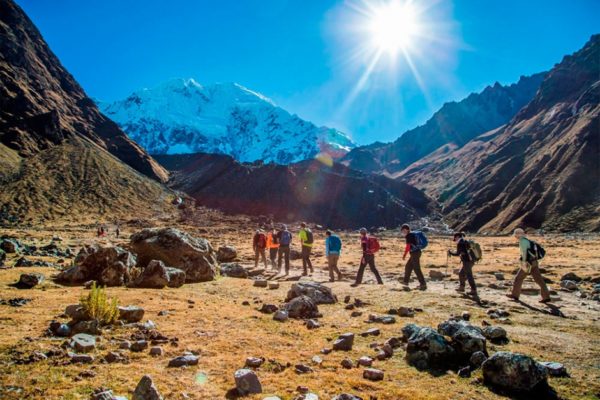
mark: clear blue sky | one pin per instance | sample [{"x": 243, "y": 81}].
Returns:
[{"x": 299, "y": 52}]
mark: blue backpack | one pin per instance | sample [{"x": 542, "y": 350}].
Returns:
[
  {"x": 335, "y": 243},
  {"x": 286, "y": 238},
  {"x": 422, "y": 241}
]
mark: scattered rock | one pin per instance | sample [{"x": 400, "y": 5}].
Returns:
[
  {"x": 156, "y": 351},
  {"x": 464, "y": 372},
  {"x": 131, "y": 314},
  {"x": 513, "y": 372},
  {"x": 344, "y": 342},
  {"x": 114, "y": 357},
  {"x": 312, "y": 324},
  {"x": 226, "y": 254},
  {"x": 28, "y": 281},
  {"x": 347, "y": 363},
  {"x": 182, "y": 361},
  {"x": 382, "y": 319},
  {"x": 268, "y": 308},
  {"x": 495, "y": 334},
  {"x": 406, "y": 312},
  {"x": 82, "y": 342},
  {"x": 373, "y": 374},
  {"x": 233, "y": 270},
  {"x": 261, "y": 283},
  {"x": 499, "y": 276},
  {"x": 319, "y": 293},
  {"x": 427, "y": 349},
  {"x": 281, "y": 315},
  {"x": 146, "y": 390},
  {"x": 273, "y": 285},
  {"x": 435, "y": 275},
  {"x": 81, "y": 358},
  {"x": 91, "y": 327},
  {"x": 346, "y": 396},
  {"x": 317, "y": 360},
  {"x": 355, "y": 314},
  {"x": 371, "y": 332},
  {"x": 139, "y": 345},
  {"x": 254, "y": 362},
  {"x": 157, "y": 275},
  {"x": 302, "y": 369},
  {"x": 365, "y": 361},
  {"x": 571, "y": 276},
  {"x": 76, "y": 312},
  {"x": 555, "y": 369},
  {"x": 302, "y": 307},
  {"x": 569, "y": 285},
  {"x": 125, "y": 345},
  {"x": 466, "y": 316},
  {"x": 477, "y": 359},
  {"x": 9, "y": 246},
  {"x": 246, "y": 382},
  {"x": 194, "y": 256}
]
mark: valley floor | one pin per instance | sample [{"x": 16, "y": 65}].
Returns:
[{"x": 209, "y": 318}]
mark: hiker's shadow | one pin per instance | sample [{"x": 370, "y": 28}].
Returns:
[{"x": 552, "y": 309}]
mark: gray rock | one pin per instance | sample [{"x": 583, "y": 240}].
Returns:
[
  {"x": 477, "y": 359},
  {"x": 496, "y": 334},
  {"x": 261, "y": 283},
  {"x": 114, "y": 357},
  {"x": 76, "y": 312},
  {"x": 319, "y": 293},
  {"x": 63, "y": 330},
  {"x": 273, "y": 285},
  {"x": 226, "y": 254},
  {"x": 157, "y": 275},
  {"x": 109, "y": 266},
  {"x": 373, "y": 374},
  {"x": 125, "y": 345},
  {"x": 131, "y": 313},
  {"x": 499, "y": 276},
  {"x": 435, "y": 275},
  {"x": 194, "y": 256},
  {"x": 317, "y": 360},
  {"x": 139, "y": 345},
  {"x": 406, "y": 312},
  {"x": 513, "y": 372},
  {"x": 371, "y": 332},
  {"x": 91, "y": 327},
  {"x": 102, "y": 394},
  {"x": 344, "y": 342},
  {"x": 468, "y": 341},
  {"x": 81, "y": 358},
  {"x": 302, "y": 307},
  {"x": 268, "y": 308},
  {"x": 427, "y": 349},
  {"x": 182, "y": 361},
  {"x": 571, "y": 276},
  {"x": 156, "y": 351},
  {"x": 346, "y": 396},
  {"x": 464, "y": 372},
  {"x": 146, "y": 390},
  {"x": 365, "y": 361},
  {"x": 410, "y": 330},
  {"x": 82, "y": 342},
  {"x": 569, "y": 285},
  {"x": 30, "y": 280},
  {"x": 233, "y": 270},
  {"x": 382, "y": 319},
  {"x": 347, "y": 363},
  {"x": 281, "y": 316},
  {"x": 312, "y": 324},
  {"x": 246, "y": 382},
  {"x": 254, "y": 362},
  {"x": 555, "y": 369},
  {"x": 302, "y": 369}
]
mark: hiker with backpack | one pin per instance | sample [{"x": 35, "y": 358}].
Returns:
[
  {"x": 273, "y": 246},
  {"x": 468, "y": 257},
  {"x": 259, "y": 243},
  {"x": 306, "y": 240},
  {"x": 415, "y": 244},
  {"x": 333, "y": 248},
  {"x": 370, "y": 246},
  {"x": 531, "y": 253},
  {"x": 284, "y": 237}
]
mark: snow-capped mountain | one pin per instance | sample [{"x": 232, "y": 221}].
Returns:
[{"x": 181, "y": 117}]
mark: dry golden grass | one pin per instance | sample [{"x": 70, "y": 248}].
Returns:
[{"x": 224, "y": 332}]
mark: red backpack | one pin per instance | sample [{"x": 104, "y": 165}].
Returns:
[
  {"x": 261, "y": 241},
  {"x": 373, "y": 245}
]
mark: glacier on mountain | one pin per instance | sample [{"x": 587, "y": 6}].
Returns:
[{"x": 181, "y": 117}]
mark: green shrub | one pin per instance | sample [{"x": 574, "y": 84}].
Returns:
[{"x": 97, "y": 306}]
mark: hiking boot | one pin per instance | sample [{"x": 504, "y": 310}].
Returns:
[
  {"x": 460, "y": 289},
  {"x": 544, "y": 301},
  {"x": 304, "y": 274},
  {"x": 423, "y": 288},
  {"x": 510, "y": 296},
  {"x": 354, "y": 284},
  {"x": 472, "y": 293},
  {"x": 331, "y": 280}
]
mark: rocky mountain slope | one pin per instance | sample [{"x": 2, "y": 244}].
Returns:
[
  {"x": 59, "y": 156},
  {"x": 540, "y": 170},
  {"x": 455, "y": 124},
  {"x": 182, "y": 117},
  {"x": 330, "y": 195}
]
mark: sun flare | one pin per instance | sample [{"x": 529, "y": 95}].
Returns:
[{"x": 394, "y": 26}]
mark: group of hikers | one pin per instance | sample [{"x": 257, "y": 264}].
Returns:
[{"x": 278, "y": 244}]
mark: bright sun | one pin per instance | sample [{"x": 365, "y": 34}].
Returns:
[{"x": 393, "y": 26}]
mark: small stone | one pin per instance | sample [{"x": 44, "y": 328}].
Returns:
[
  {"x": 464, "y": 372},
  {"x": 268, "y": 308},
  {"x": 91, "y": 327},
  {"x": 81, "y": 358},
  {"x": 477, "y": 359},
  {"x": 113, "y": 357},
  {"x": 499, "y": 276},
  {"x": 436, "y": 275},
  {"x": 163, "y": 313},
  {"x": 156, "y": 351},
  {"x": 83, "y": 342},
  {"x": 326, "y": 351},
  {"x": 347, "y": 299},
  {"x": 355, "y": 314},
  {"x": 569, "y": 285},
  {"x": 281, "y": 316},
  {"x": 555, "y": 369},
  {"x": 125, "y": 345},
  {"x": 371, "y": 332},
  {"x": 146, "y": 390},
  {"x": 30, "y": 280},
  {"x": 302, "y": 369},
  {"x": 365, "y": 361},
  {"x": 273, "y": 285},
  {"x": 182, "y": 361},
  {"x": 466, "y": 315},
  {"x": 131, "y": 314},
  {"x": 496, "y": 334},
  {"x": 373, "y": 374},
  {"x": 347, "y": 363},
  {"x": 246, "y": 382},
  {"x": 254, "y": 362},
  {"x": 139, "y": 345},
  {"x": 102, "y": 394},
  {"x": 312, "y": 324},
  {"x": 261, "y": 283},
  {"x": 317, "y": 360},
  {"x": 406, "y": 312},
  {"x": 344, "y": 342}
]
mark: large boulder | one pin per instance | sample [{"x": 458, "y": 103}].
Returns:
[
  {"x": 302, "y": 307},
  {"x": 233, "y": 270},
  {"x": 156, "y": 276},
  {"x": 194, "y": 256},
  {"x": 131, "y": 313},
  {"x": 427, "y": 349},
  {"x": 246, "y": 382},
  {"x": 513, "y": 372},
  {"x": 319, "y": 293},
  {"x": 468, "y": 341},
  {"x": 226, "y": 254},
  {"x": 109, "y": 266},
  {"x": 146, "y": 390},
  {"x": 28, "y": 281},
  {"x": 9, "y": 245}
]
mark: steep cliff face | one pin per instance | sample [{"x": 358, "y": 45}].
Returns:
[
  {"x": 41, "y": 104},
  {"x": 455, "y": 124},
  {"x": 540, "y": 170},
  {"x": 182, "y": 117}
]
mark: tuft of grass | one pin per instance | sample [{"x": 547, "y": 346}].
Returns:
[{"x": 97, "y": 305}]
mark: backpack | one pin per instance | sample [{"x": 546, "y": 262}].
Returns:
[
  {"x": 422, "y": 241},
  {"x": 373, "y": 245},
  {"x": 536, "y": 251},
  {"x": 335, "y": 243},
  {"x": 261, "y": 241},
  {"x": 286, "y": 238},
  {"x": 274, "y": 238},
  {"x": 475, "y": 251},
  {"x": 309, "y": 237}
]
